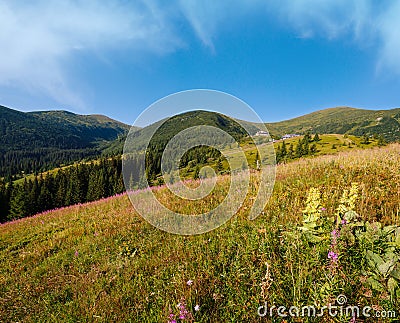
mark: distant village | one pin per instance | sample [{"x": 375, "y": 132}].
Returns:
[{"x": 286, "y": 136}]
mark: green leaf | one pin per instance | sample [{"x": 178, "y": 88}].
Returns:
[
  {"x": 347, "y": 236},
  {"x": 397, "y": 240},
  {"x": 389, "y": 229},
  {"x": 395, "y": 273},
  {"x": 375, "y": 284},
  {"x": 386, "y": 267},
  {"x": 326, "y": 289},
  {"x": 392, "y": 286},
  {"x": 374, "y": 259},
  {"x": 358, "y": 224},
  {"x": 390, "y": 255},
  {"x": 350, "y": 216},
  {"x": 313, "y": 238}
]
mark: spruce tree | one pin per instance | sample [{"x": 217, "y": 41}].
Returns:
[
  {"x": 299, "y": 149},
  {"x": 18, "y": 205},
  {"x": 3, "y": 202},
  {"x": 307, "y": 137},
  {"x": 381, "y": 141},
  {"x": 283, "y": 150},
  {"x": 290, "y": 154},
  {"x": 306, "y": 149},
  {"x": 219, "y": 165},
  {"x": 313, "y": 149},
  {"x": 45, "y": 199},
  {"x": 196, "y": 172}
]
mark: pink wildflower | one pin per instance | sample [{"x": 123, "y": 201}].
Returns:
[
  {"x": 333, "y": 256},
  {"x": 335, "y": 233}
]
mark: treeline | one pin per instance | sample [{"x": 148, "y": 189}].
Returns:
[
  {"x": 75, "y": 184},
  {"x": 191, "y": 159},
  {"x": 304, "y": 147},
  {"x": 18, "y": 162},
  {"x": 85, "y": 182}
]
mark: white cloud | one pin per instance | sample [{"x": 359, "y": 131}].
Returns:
[
  {"x": 388, "y": 26},
  {"x": 39, "y": 39},
  {"x": 371, "y": 24},
  {"x": 328, "y": 18},
  {"x": 207, "y": 16}
]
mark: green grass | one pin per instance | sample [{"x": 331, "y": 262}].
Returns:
[
  {"x": 333, "y": 143},
  {"x": 329, "y": 144},
  {"x": 101, "y": 262}
]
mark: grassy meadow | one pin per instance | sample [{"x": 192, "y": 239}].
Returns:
[
  {"x": 328, "y": 144},
  {"x": 101, "y": 262}
]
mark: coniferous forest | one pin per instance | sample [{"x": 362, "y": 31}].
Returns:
[{"x": 79, "y": 183}]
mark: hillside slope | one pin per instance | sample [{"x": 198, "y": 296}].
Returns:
[
  {"x": 101, "y": 262},
  {"x": 30, "y": 141},
  {"x": 343, "y": 120},
  {"x": 166, "y": 129}
]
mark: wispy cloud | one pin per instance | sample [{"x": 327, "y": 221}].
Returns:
[
  {"x": 370, "y": 24},
  {"x": 40, "y": 39},
  {"x": 329, "y": 18},
  {"x": 207, "y": 16},
  {"x": 388, "y": 25}
]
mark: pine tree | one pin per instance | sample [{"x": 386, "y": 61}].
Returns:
[
  {"x": 45, "y": 199},
  {"x": 316, "y": 137},
  {"x": 18, "y": 205},
  {"x": 220, "y": 167},
  {"x": 33, "y": 202},
  {"x": 3, "y": 202},
  {"x": 381, "y": 141},
  {"x": 313, "y": 149},
  {"x": 290, "y": 154},
  {"x": 283, "y": 150},
  {"x": 306, "y": 149},
  {"x": 307, "y": 137},
  {"x": 278, "y": 154},
  {"x": 299, "y": 149},
  {"x": 196, "y": 172}
]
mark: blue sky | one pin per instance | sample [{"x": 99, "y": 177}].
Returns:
[{"x": 284, "y": 58}]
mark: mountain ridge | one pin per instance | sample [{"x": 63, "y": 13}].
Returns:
[
  {"x": 33, "y": 141},
  {"x": 40, "y": 139},
  {"x": 343, "y": 120}
]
